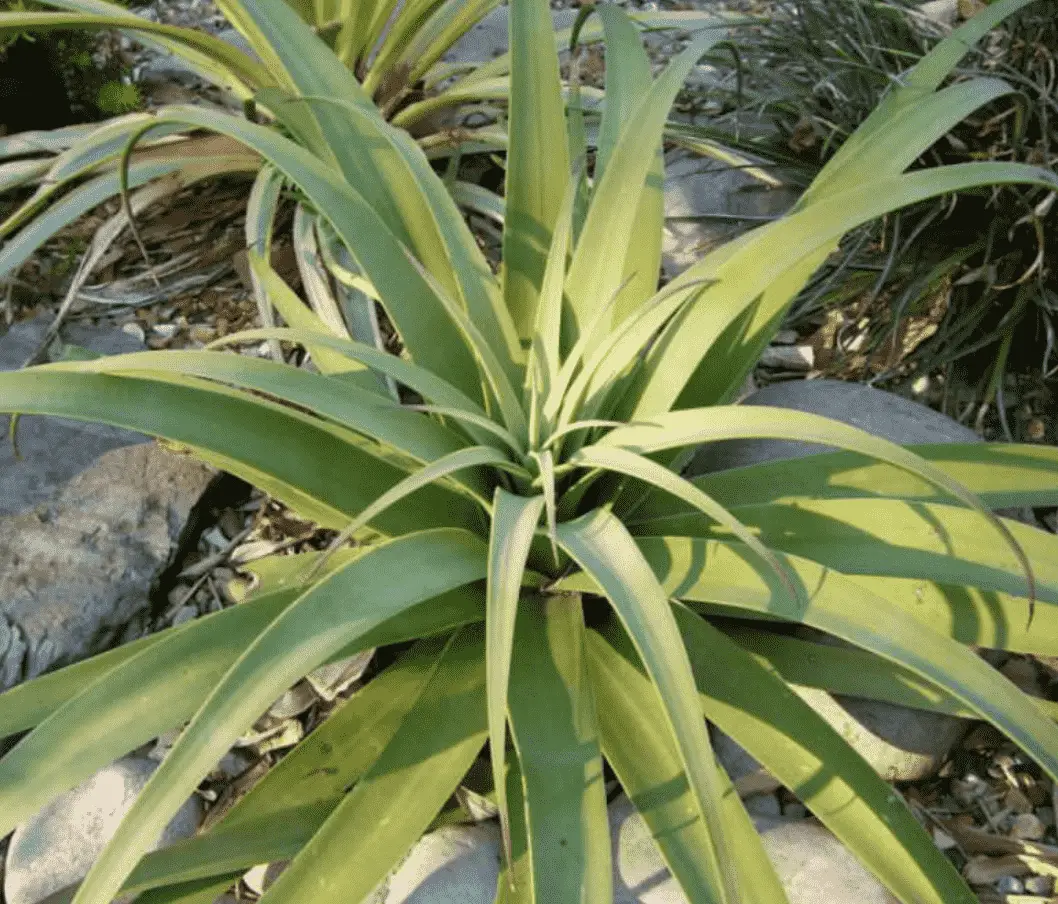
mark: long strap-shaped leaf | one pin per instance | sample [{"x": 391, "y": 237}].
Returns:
[
  {"x": 853, "y": 610},
  {"x": 366, "y": 412},
  {"x": 423, "y": 381},
  {"x": 854, "y": 673},
  {"x": 429, "y": 335},
  {"x": 306, "y": 461},
  {"x": 795, "y": 744},
  {"x": 554, "y": 729},
  {"x": 158, "y": 687},
  {"x": 611, "y": 219},
  {"x": 537, "y": 159},
  {"x": 330, "y": 616},
  {"x": 648, "y": 765},
  {"x": 629, "y": 464},
  {"x": 514, "y": 521},
  {"x": 281, "y": 813},
  {"x": 600, "y": 544},
  {"x": 372, "y": 828},
  {"x": 1000, "y": 475},
  {"x": 462, "y": 460},
  {"x": 215, "y": 58},
  {"x": 684, "y": 365},
  {"x": 684, "y": 428}
]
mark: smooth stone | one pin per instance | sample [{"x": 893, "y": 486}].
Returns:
[
  {"x": 901, "y": 744},
  {"x": 708, "y": 203},
  {"x": 488, "y": 39},
  {"x": 54, "y": 450},
  {"x": 57, "y": 847},
  {"x": 78, "y": 569},
  {"x": 460, "y": 865}
]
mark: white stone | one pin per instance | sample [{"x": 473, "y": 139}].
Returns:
[
  {"x": 57, "y": 847},
  {"x": 460, "y": 865}
]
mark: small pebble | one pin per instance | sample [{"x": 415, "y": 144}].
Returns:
[
  {"x": 157, "y": 343},
  {"x": 943, "y": 840},
  {"x": 202, "y": 333},
  {"x": 135, "y": 330},
  {"x": 185, "y": 614},
  {"x": 785, "y": 337},
  {"x": 1010, "y": 885},
  {"x": 1028, "y": 827},
  {"x": 969, "y": 788},
  {"x": 165, "y": 330},
  {"x": 1040, "y": 885}
]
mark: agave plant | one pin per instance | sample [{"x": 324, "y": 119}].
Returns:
[
  {"x": 394, "y": 50},
  {"x": 520, "y": 515}
]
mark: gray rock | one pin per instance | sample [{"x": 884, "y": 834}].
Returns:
[
  {"x": 488, "y": 39},
  {"x": 901, "y": 744},
  {"x": 57, "y": 847},
  {"x": 884, "y": 414},
  {"x": 53, "y": 449},
  {"x": 77, "y": 569},
  {"x": 460, "y": 865},
  {"x": 708, "y": 203}
]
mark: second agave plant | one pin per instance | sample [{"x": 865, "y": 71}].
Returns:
[{"x": 518, "y": 513}]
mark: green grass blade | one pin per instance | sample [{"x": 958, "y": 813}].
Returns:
[
  {"x": 514, "y": 521},
  {"x": 599, "y": 543},
  {"x": 554, "y": 730}
]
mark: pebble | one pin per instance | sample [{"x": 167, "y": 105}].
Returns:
[
  {"x": 1040, "y": 885},
  {"x": 1028, "y": 827},
  {"x": 165, "y": 330},
  {"x": 1009, "y": 885},
  {"x": 789, "y": 357},
  {"x": 185, "y": 614},
  {"x": 200, "y": 332},
  {"x": 135, "y": 330}
]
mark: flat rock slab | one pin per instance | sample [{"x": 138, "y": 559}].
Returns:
[
  {"x": 53, "y": 449},
  {"x": 460, "y": 865},
  {"x": 79, "y": 568},
  {"x": 57, "y": 847},
  {"x": 88, "y": 519}
]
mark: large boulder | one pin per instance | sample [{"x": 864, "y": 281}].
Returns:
[
  {"x": 901, "y": 744},
  {"x": 57, "y": 847}
]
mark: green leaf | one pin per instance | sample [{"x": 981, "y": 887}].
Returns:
[
  {"x": 628, "y": 81},
  {"x": 393, "y": 804},
  {"x": 757, "y": 709},
  {"x": 853, "y": 673},
  {"x": 688, "y": 367},
  {"x": 602, "y": 547},
  {"x": 1000, "y": 475},
  {"x": 537, "y": 159},
  {"x": 425, "y": 328},
  {"x": 684, "y": 428},
  {"x": 514, "y": 521},
  {"x": 647, "y": 763},
  {"x": 848, "y": 609},
  {"x": 305, "y": 462},
  {"x": 608, "y": 229},
  {"x": 621, "y": 461},
  {"x": 554, "y": 729},
  {"x": 330, "y": 616}
]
